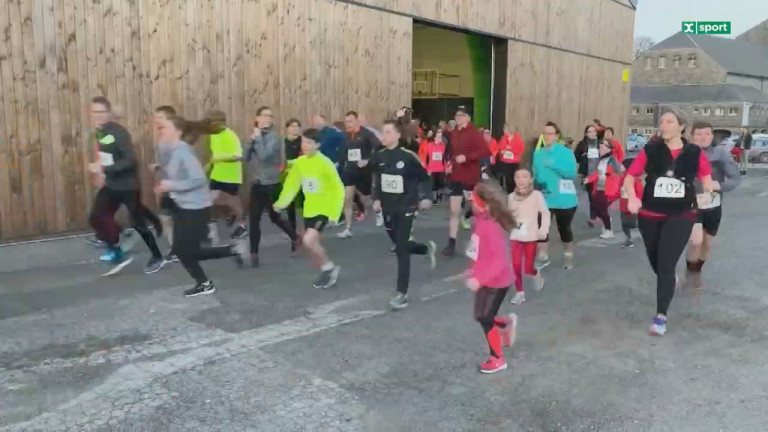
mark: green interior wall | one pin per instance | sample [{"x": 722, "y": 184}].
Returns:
[{"x": 480, "y": 57}]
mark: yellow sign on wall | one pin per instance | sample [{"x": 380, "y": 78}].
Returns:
[{"x": 625, "y": 75}]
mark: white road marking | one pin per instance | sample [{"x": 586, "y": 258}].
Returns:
[{"x": 762, "y": 194}]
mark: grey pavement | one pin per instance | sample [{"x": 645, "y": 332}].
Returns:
[{"x": 267, "y": 352}]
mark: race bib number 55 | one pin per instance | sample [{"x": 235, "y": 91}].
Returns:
[{"x": 669, "y": 187}]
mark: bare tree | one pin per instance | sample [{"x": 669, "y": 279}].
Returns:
[{"x": 642, "y": 44}]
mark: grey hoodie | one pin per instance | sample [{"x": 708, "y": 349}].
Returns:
[
  {"x": 265, "y": 156},
  {"x": 187, "y": 179},
  {"x": 724, "y": 169}
]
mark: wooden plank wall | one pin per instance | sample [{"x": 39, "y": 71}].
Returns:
[{"x": 300, "y": 57}]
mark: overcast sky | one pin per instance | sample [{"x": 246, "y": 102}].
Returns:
[{"x": 660, "y": 19}]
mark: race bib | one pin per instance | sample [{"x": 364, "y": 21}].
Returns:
[
  {"x": 708, "y": 201},
  {"x": 437, "y": 156},
  {"x": 473, "y": 246},
  {"x": 354, "y": 155},
  {"x": 392, "y": 184},
  {"x": 310, "y": 186},
  {"x": 507, "y": 155},
  {"x": 107, "y": 159},
  {"x": 669, "y": 187},
  {"x": 567, "y": 187},
  {"x": 519, "y": 233},
  {"x": 593, "y": 153}
]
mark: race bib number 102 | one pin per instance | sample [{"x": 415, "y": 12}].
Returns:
[{"x": 669, "y": 187}]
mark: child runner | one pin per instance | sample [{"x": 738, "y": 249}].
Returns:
[
  {"x": 186, "y": 183},
  {"x": 490, "y": 274},
  {"x": 401, "y": 185},
  {"x": 604, "y": 184},
  {"x": 628, "y": 220},
  {"x": 316, "y": 176},
  {"x": 528, "y": 207},
  {"x": 436, "y": 165}
]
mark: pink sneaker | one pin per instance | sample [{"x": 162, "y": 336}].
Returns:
[
  {"x": 360, "y": 216},
  {"x": 493, "y": 365}
]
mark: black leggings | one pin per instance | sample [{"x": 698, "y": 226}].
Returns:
[
  {"x": 190, "y": 229},
  {"x": 590, "y": 188},
  {"x": 665, "y": 240},
  {"x": 563, "y": 220},
  {"x": 599, "y": 207},
  {"x": 102, "y": 217},
  {"x": 399, "y": 230},
  {"x": 486, "y": 306},
  {"x": 628, "y": 221},
  {"x": 261, "y": 199},
  {"x": 506, "y": 175}
]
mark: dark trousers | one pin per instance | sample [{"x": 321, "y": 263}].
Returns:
[
  {"x": 563, "y": 220},
  {"x": 628, "y": 221},
  {"x": 102, "y": 217},
  {"x": 506, "y": 175},
  {"x": 590, "y": 188},
  {"x": 598, "y": 206},
  {"x": 665, "y": 240},
  {"x": 190, "y": 229},
  {"x": 261, "y": 200},
  {"x": 399, "y": 230},
  {"x": 486, "y": 306}
]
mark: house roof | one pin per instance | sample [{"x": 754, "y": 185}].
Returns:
[
  {"x": 649, "y": 94},
  {"x": 736, "y": 56}
]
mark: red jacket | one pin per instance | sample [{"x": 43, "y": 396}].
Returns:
[
  {"x": 624, "y": 201},
  {"x": 489, "y": 253},
  {"x": 613, "y": 182},
  {"x": 470, "y": 143},
  {"x": 618, "y": 150},
  {"x": 511, "y": 148}
]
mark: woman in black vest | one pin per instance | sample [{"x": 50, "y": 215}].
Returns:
[{"x": 667, "y": 211}]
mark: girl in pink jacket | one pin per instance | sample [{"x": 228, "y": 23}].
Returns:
[
  {"x": 532, "y": 216},
  {"x": 490, "y": 274}
]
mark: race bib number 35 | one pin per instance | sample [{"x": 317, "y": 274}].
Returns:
[
  {"x": 106, "y": 159},
  {"x": 392, "y": 184},
  {"x": 354, "y": 155},
  {"x": 436, "y": 156},
  {"x": 310, "y": 186},
  {"x": 567, "y": 187},
  {"x": 669, "y": 187},
  {"x": 473, "y": 247}
]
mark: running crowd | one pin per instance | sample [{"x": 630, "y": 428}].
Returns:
[{"x": 506, "y": 192}]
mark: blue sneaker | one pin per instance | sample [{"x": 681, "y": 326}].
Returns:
[
  {"x": 118, "y": 263},
  {"x": 659, "y": 326},
  {"x": 108, "y": 256}
]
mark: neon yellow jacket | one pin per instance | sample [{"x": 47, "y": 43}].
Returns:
[{"x": 317, "y": 177}]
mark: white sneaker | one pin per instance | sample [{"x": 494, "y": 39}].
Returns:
[
  {"x": 347, "y": 233},
  {"x": 607, "y": 234},
  {"x": 379, "y": 219},
  {"x": 518, "y": 299},
  {"x": 538, "y": 282}
]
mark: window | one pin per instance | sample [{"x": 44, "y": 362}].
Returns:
[
  {"x": 634, "y": 130},
  {"x": 676, "y": 60},
  {"x": 692, "y": 60},
  {"x": 649, "y": 110},
  {"x": 695, "y": 110},
  {"x": 648, "y": 62},
  {"x": 706, "y": 111},
  {"x": 733, "y": 111},
  {"x": 662, "y": 62},
  {"x": 719, "y": 111},
  {"x": 635, "y": 110},
  {"x": 649, "y": 131}
]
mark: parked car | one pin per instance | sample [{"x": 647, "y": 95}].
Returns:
[
  {"x": 759, "y": 150},
  {"x": 636, "y": 142}
]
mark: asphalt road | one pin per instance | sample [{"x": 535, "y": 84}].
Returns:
[{"x": 269, "y": 353}]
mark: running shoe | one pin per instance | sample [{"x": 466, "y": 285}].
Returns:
[
  {"x": 204, "y": 288},
  {"x": 466, "y": 223},
  {"x": 93, "y": 241},
  {"x": 518, "y": 299},
  {"x": 449, "y": 250},
  {"x": 328, "y": 278},
  {"x": 128, "y": 239},
  {"x": 542, "y": 262},
  {"x": 431, "y": 250},
  {"x": 379, "y": 219},
  {"x": 347, "y": 233},
  {"x": 154, "y": 265},
  {"x": 659, "y": 326},
  {"x": 108, "y": 256},
  {"x": 493, "y": 365},
  {"x": 119, "y": 263},
  {"x": 393, "y": 250},
  {"x": 538, "y": 282},
  {"x": 591, "y": 223},
  {"x": 171, "y": 258},
  {"x": 398, "y": 302},
  {"x": 628, "y": 244},
  {"x": 567, "y": 260},
  {"x": 241, "y": 252},
  {"x": 607, "y": 234},
  {"x": 255, "y": 260},
  {"x": 360, "y": 216},
  {"x": 239, "y": 233}
]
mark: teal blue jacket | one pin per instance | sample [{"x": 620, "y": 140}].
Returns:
[{"x": 554, "y": 174}]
